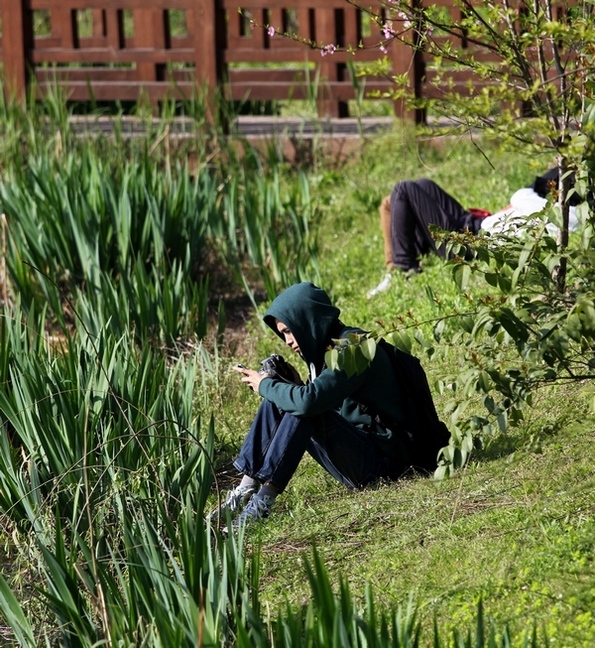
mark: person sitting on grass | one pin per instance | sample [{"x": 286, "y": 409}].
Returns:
[
  {"x": 333, "y": 416},
  {"x": 414, "y": 205}
]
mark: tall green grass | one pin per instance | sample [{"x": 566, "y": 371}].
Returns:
[{"x": 170, "y": 226}]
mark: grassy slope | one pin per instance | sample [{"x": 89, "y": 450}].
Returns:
[{"x": 515, "y": 527}]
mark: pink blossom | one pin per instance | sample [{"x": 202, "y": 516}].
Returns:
[
  {"x": 383, "y": 49},
  {"x": 271, "y": 31},
  {"x": 387, "y": 31},
  {"x": 328, "y": 49},
  {"x": 406, "y": 22}
]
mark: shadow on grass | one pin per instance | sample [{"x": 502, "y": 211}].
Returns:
[{"x": 530, "y": 438}]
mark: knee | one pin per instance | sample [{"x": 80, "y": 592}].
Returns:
[
  {"x": 426, "y": 184},
  {"x": 385, "y": 208},
  {"x": 402, "y": 189}
]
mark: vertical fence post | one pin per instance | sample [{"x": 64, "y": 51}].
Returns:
[
  {"x": 64, "y": 27},
  {"x": 408, "y": 61},
  {"x": 326, "y": 34},
  {"x": 149, "y": 34},
  {"x": 17, "y": 40},
  {"x": 114, "y": 28},
  {"x": 206, "y": 25}
]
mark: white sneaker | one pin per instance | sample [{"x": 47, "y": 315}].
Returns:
[
  {"x": 235, "y": 500},
  {"x": 383, "y": 286},
  {"x": 258, "y": 509}
]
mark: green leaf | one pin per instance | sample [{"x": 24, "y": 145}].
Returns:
[
  {"x": 368, "y": 348},
  {"x": 443, "y": 471},
  {"x": 332, "y": 359},
  {"x": 467, "y": 323},
  {"x": 525, "y": 254},
  {"x": 349, "y": 360},
  {"x": 504, "y": 283},
  {"x": 513, "y": 325},
  {"x": 484, "y": 381},
  {"x": 402, "y": 341},
  {"x": 502, "y": 421},
  {"x": 461, "y": 273},
  {"x": 492, "y": 278},
  {"x": 467, "y": 445},
  {"x": 13, "y": 613},
  {"x": 360, "y": 360},
  {"x": 515, "y": 277}
]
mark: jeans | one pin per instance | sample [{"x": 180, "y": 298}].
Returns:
[
  {"x": 277, "y": 442},
  {"x": 415, "y": 204}
]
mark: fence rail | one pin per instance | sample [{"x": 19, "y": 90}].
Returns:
[{"x": 122, "y": 50}]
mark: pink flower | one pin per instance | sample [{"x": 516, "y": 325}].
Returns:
[
  {"x": 271, "y": 31},
  {"x": 387, "y": 31},
  {"x": 383, "y": 49},
  {"x": 328, "y": 49},
  {"x": 406, "y": 22}
]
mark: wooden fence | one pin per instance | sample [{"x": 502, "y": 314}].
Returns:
[{"x": 122, "y": 50}]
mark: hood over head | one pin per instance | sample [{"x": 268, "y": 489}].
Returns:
[{"x": 311, "y": 317}]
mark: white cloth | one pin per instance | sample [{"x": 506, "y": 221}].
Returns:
[{"x": 523, "y": 202}]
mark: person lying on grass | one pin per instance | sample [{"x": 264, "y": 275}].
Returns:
[
  {"x": 415, "y": 205},
  {"x": 337, "y": 418}
]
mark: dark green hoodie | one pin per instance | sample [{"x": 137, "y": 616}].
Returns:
[{"x": 314, "y": 322}]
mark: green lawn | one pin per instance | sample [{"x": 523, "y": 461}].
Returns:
[{"x": 515, "y": 527}]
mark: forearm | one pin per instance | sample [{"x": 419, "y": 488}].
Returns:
[{"x": 325, "y": 393}]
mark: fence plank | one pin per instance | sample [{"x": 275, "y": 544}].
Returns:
[
  {"x": 17, "y": 36},
  {"x": 142, "y": 56},
  {"x": 149, "y": 35},
  {"x": 64, "y": 28},
  {"x": 114, "y": 28},
  {"x": 99, "y": 26}
]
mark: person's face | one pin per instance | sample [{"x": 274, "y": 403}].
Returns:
[{"x": 287, "y": 335}]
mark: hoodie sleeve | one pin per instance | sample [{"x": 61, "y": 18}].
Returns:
[{"x": 326, "y": 392}]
